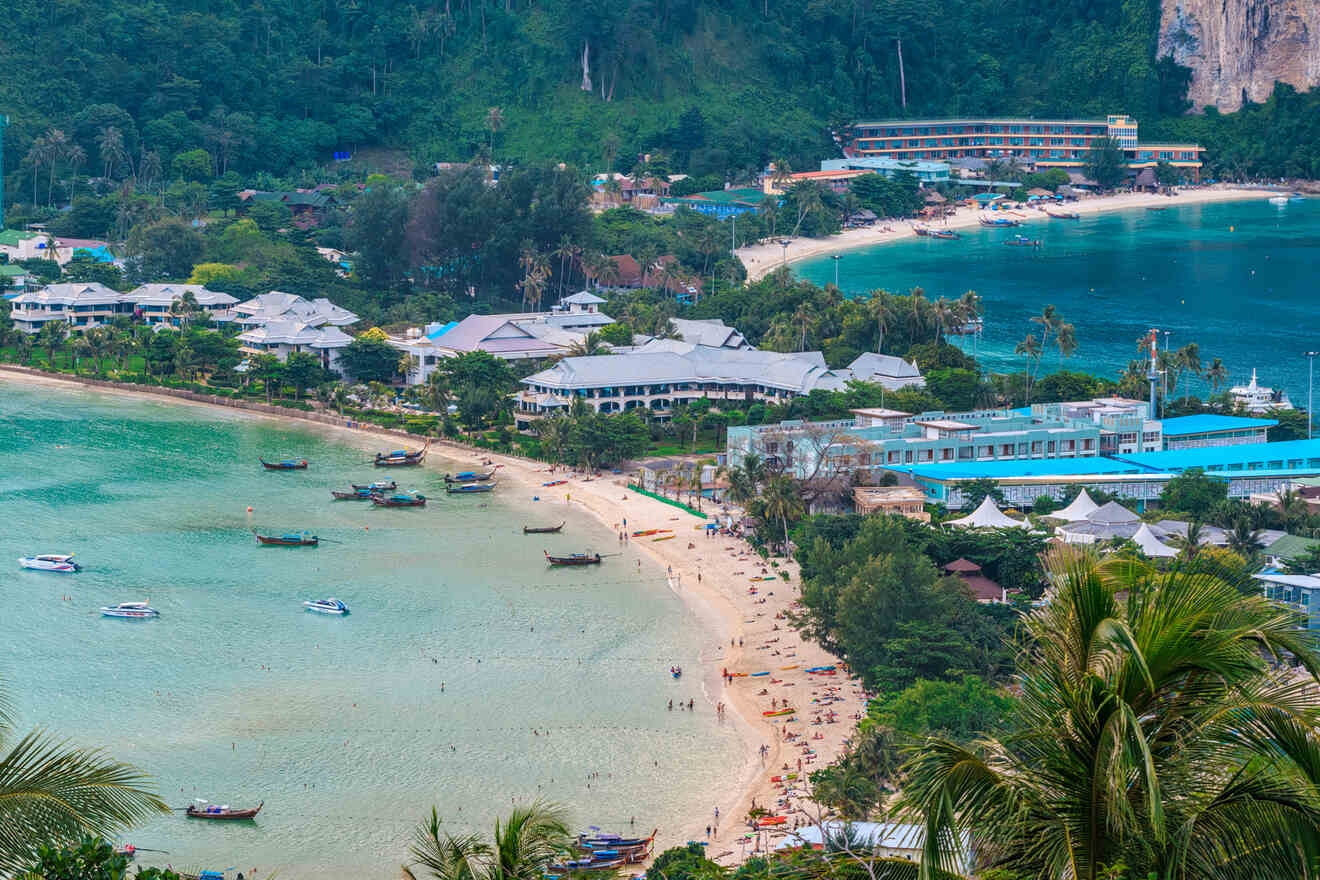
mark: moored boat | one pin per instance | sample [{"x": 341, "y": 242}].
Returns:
[
  {"x": 402, "y": 457},
  {"x": 923, "y": 231},
  {"x": 326, "y": 606},
  {"x": 214, "y": 811},
  {"x": 355, "y": 495},
  {"x": 470, "y": 477},
  {"x": 998, "y": 222},
  {"x": 944, "y": 233},
  {"x": 1064, "y": 215},
  {"x": 543, "y": 530},
  {"x": 378, "y": 486},
  {"x": 1023, "y": 241},
  {"x": 573, "y": 558},
  {"x": 469, "y": 488},
  {"x": 131, "y": 610},
  {"x": 287, "y": 464},
  {"x": 289, "y": 539},
  {"x": 58, "y": 562},
  {"x": 402, "y": 499}
]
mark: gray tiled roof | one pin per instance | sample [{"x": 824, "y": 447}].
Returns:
[
  {"x": 582, "y": 298},
  {"x": 799, "y": 373},
  {"x": 82, "y": 293},
  {"x": 710, "y": 332},
  {"x": 165, "y": 294},
  {"x": 869, "y": 364},
  {"x": 475, "y": 331}
]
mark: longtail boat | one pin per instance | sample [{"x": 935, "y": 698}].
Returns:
[
  {"x": 469, "y": 488},
  {"x": 401, "y": 457},
  {"x": 543, "y": 530},
  {"x": 410, "y": 500},
  {"x": 355, "y": 495},
  {"x": 211, "y": 811},
  {"x": 634, "y": 849},
  {"x": 1064, "y": 215},
  {"x": 288, "y": 464},
  {"x": 573, "y": 559},
  {"x": 291, "y": 539},
  {"x": 470, "y": 477},
  {"x": 379, "y": 486}
]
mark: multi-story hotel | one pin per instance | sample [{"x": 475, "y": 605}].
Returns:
[{"x": 1045, "y": 143}]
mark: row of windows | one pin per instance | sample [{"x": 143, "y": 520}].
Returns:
[
  {"x": 979, "y": 148},
  {"x": 1277, "y": 464},
  {"x": 1036, "y": 449},
  {"x": 963, "y": 128}
]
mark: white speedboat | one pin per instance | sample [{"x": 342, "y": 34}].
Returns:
[
  {"x": 326, "y": 606},
  {"x": 134, "y": 610},
  {"x": 1278, "y": 200},
  {"x": 51, "y": 562}
]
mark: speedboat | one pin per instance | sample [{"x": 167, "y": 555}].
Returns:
[
  {"x": 326, "y": 606},
  {"x": 1278, "y": 200},
  {"x": 51, "y": 562},
  {"x": 134, "y": 610}
]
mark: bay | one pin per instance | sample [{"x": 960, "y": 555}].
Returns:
[
  {"x": 554, "y": 681},
  {"x": 1237, "y": 278}
]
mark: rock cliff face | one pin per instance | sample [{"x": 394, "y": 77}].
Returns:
[{"x": 1236, "y": 46}]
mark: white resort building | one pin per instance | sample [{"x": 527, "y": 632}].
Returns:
[
  {"x": 156, "y": 303},
  {"x": 283, "y": 323},
  {"x": 80, "y": 305}
]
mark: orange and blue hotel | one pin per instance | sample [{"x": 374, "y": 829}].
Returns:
[{"x": 1045, "y": 143}]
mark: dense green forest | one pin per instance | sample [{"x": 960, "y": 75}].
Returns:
[{"x": 278, "y": 86}]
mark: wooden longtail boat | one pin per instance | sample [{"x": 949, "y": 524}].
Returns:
[
  {"x": 293, "y": 539},
  {"x": 543, "y": 530},
  {"x": 288, "y": 464},
  {"x": 943, "y": 233},
  {"x": 413, "y": 500},
  {"x": 469, "y": 488},
  {"x": 381, "y": 486},
  {"x": 633, "y": 849},
  {"x": 402, "y": 457},
  {"x": 213, "y": 812},
  {"x": 355, "y": 495},
  {"x": 1064, "y": 215},
  {"x": 470, "y": 477},
  {"x": 573, "y": 559}
]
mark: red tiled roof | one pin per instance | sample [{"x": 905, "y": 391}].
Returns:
[{"x": 962, "y": 565}]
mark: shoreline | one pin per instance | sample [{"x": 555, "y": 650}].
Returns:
[
  {"x": 711, "y": 576},
  {"x": 763, "y": 259}
]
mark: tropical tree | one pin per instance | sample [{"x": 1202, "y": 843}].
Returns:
[
  {"x": 780, "y": 502},
  {"x": 51, "y": 336},
  {"x": 1189, "y": 363},
  {"x": 494, "y": 122},
  {"x": 1151, "y": 737},
  {"x": 52, "y": 793},
  {"x": 522, "y": 847},
  {"x": 1216, "y": 374},
  {"x": 1244, "y": 539},
  {"x": 588, "y": 346},
  {"x": 1065, "y": 340},
  {"x": 1030, "y": 348}
]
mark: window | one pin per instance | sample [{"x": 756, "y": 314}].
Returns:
[{"x": 964, "y": 453}]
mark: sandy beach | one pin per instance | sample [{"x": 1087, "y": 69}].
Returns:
[
  {"x": 713, "y": 576},
  {"x": 762, "y": 259}
]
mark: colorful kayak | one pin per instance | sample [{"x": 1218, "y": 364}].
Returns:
[
  {"x": 759, "y": 674},
  {"x": 664, "y": 538},
  {"x": 778, "y": 712},
  {"x": 768, "y": 821}
]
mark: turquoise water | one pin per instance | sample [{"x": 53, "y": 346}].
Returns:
[
  {"x": 1238, "y": 278},
  {"x": 237, "y": 695}
]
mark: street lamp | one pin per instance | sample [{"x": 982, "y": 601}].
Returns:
[
  {"x": 784, "y": 243},
  {"x": 1164, "y": 380},
  {"x": 836, "y": 258},
  {"x": 1310, "y": 384}
]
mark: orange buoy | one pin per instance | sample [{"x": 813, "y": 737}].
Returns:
[{"x": 249, "y": 509}]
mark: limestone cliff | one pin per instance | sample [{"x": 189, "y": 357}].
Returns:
[{"x": 1234, "y": 46}]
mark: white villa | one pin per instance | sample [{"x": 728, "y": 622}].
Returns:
[
  {"x": 283, "y": 323},
  {"x": 279, "y": 306},
  {"x": 81, "y": 305},
  {"x": 153, "y": 303}
]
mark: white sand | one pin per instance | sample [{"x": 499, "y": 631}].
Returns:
[{"x": 762, "y": 259}]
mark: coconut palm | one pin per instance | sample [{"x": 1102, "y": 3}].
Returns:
[
  {"x": 1049, "y": 321},
  {"x": 54, "y": 793},
  {"x": 1189, "y": 359},
  {"x": 494, "y": 122},
  {"x": 588, "y": 345},
  {"x": 780, "y": 502},
  {"x": 1030, "y": 348},
  {"x": 522, "y": 848},
  {"x": 1216, "y": 374},
  {"x": 51, "y": 336},
  {"x": 1065, "y": 340},
  {"x": 1244, "y": 538},
  {"x": 1151, "y": 732},
  {"x": 878, "y": 308}
]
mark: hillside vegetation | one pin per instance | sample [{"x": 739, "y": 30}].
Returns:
[{"x": 277, "y": 85}]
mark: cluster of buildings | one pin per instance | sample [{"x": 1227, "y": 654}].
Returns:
[
  {"x": 1048, "y": 449},
  {"x": 272, "y": 323}
]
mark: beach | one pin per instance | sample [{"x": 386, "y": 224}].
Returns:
[
  {"x": 713, "y": 578},
  {"x": 762, "y": 259}
]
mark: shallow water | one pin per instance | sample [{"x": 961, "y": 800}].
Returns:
[
  {"x": 237, "y": 695},
  {"x": 1238, "y": 278}
]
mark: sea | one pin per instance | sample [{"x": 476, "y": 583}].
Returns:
[
  {"x": 1237, "y": 278},
  {"x": 468, "y": 676}
]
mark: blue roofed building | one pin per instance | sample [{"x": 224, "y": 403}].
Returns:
[
  {"x": 1300, "y": 592},
  {"x": 1208, "y": 429}
]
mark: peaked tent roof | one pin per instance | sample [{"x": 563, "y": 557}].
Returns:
[
  {"x": 1151, "y": 545},
  {"x": 961, "y": 564},
  {"x": 1112, "y": 513},
  {"x": 1082, "y": 507},
  {"x": 987, "y": 516}
]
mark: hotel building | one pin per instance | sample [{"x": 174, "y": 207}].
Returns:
[{"x": 1044, "y": 143}]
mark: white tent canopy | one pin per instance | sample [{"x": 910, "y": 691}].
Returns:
[
  {"x": 1151, "y": 545},
  {"x": 987, "y": 516},
  {"x": 1082, "y": 506}
]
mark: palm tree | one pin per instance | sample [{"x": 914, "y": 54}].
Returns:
[
  {"x": 1049, "y": 321},
  {"x": 945, "y": 314},
  {"x": 588, "y": 346},
  {"x": 57, "y": 147},
  {"x": 494, "y": 122},
  {"x": 55, "y": 793},
  {"x": 807, "y": 196},
  {"x": 1243, "y": 538},
  {"x": 780, "y": 501},
  {"x": 1216, "y": 374},
  {"x": 804, "y": 318},
  {"x": 1065, "y": 340},
  {"x": 1189, "y": 359},
  {"x": 878, "y": 306},
  {"x": 1030, "y": 349},
  {"x": 1150, "y": 732},
  {"x": 50, "y": 337},
  {"x": 528, "y": 842},
  {"x": 110, "y": 143},
  {"x": 76, "y": 156}
]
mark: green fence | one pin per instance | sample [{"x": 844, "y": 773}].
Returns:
[{"x": 671, "y": 502}]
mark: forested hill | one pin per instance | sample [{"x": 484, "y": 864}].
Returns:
[{"x": 277, "y": 84}]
